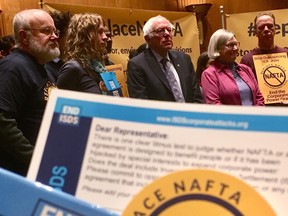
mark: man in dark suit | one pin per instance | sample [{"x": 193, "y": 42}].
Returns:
[{"x": 147, "y": 74}]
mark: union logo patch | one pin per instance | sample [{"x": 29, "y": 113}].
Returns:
[{"x": 47, "y": 89}]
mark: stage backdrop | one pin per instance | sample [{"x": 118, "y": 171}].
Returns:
[
  {"x": 126, "y": 26},
  {"x": 241, "y": 25}
]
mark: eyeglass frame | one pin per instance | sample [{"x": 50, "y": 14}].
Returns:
[
  {"x": 44, "y": 31},
  {"x": 232, "y": 45},
  {"x": 162, "y": 31}
]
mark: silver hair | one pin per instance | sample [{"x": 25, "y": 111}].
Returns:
[
  {"x": 217, "y": 40},
  {"x": 21, "y": 21},
  {"x": 149, "y": 25}
]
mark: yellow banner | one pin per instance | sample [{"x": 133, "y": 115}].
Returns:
[
  {"x": 126, "y": 26},
  {"x": 242, "y": 25}
]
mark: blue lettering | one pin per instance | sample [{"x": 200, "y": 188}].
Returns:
[{"x": 57, "y": 179}]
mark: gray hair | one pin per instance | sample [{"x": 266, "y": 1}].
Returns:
[
  {"x": 149, "y": 25},
  {"x": 218, "y": 39},
  {"x": 19, "y": 22},
  {"x": 22, "y": 20}
]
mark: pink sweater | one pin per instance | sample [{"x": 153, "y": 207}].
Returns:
[{"x": 219, "y": 85}]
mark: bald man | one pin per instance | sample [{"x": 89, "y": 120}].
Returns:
[{"x": 24, "y": 87}]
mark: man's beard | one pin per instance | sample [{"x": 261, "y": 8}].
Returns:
[{"x": 43, "y": 53}]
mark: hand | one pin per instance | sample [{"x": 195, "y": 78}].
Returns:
[{"x": 103, "y": 87}]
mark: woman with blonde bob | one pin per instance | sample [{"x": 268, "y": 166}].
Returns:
[
  {"x": 225, "y": 81},
  {"x": 84, "y": 48}
]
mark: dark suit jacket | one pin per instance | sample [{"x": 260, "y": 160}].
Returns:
[
  {"x": 146, "y": 79},
  {"x": 72, "y": 76}
]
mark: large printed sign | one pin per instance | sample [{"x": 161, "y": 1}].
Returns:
[
  {"x": 271, "y": 71},
  {"x": 126, "y": 26},
  {"x": 105, "y": 149},
  {"x": 242, "y": 25}
]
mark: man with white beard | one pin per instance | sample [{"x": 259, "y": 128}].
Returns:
[{"x": 25, "y": 87}]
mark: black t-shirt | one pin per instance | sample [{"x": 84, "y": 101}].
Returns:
[{"x": 24, "y": 89}]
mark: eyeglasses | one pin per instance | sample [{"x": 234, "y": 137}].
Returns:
[
  {"x": 162, "y": 31},
  {"x": 47, "y": 31},
  {"x": 232, "y": 45}
]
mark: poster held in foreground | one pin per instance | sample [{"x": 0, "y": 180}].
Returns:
[
  {"x": 198, "y": 191},
  {"x": 20, "y": 196},
  {"x": 105, "y": 149}
]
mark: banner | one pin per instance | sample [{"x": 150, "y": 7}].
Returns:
[
  {"x": 126, "y": 26},
  {"x": 242, "y": 25}
]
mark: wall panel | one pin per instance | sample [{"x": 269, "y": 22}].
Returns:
[
  {"x": 9, "y": 9},
  {"x": 212, "y": 20},
  {"x": 147, "y": 4}
]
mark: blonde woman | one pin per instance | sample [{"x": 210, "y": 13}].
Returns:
[{"x": 86, "y": 43}]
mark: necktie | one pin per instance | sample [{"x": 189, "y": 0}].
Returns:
[{"x": 172, "y": 81}]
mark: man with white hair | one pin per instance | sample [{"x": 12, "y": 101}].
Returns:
[
  {"x": 158, "y": 73},
  {"x": 24, "y": 87}
]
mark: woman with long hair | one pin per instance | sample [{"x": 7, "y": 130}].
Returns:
[{"x": 83, "y": 51}]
